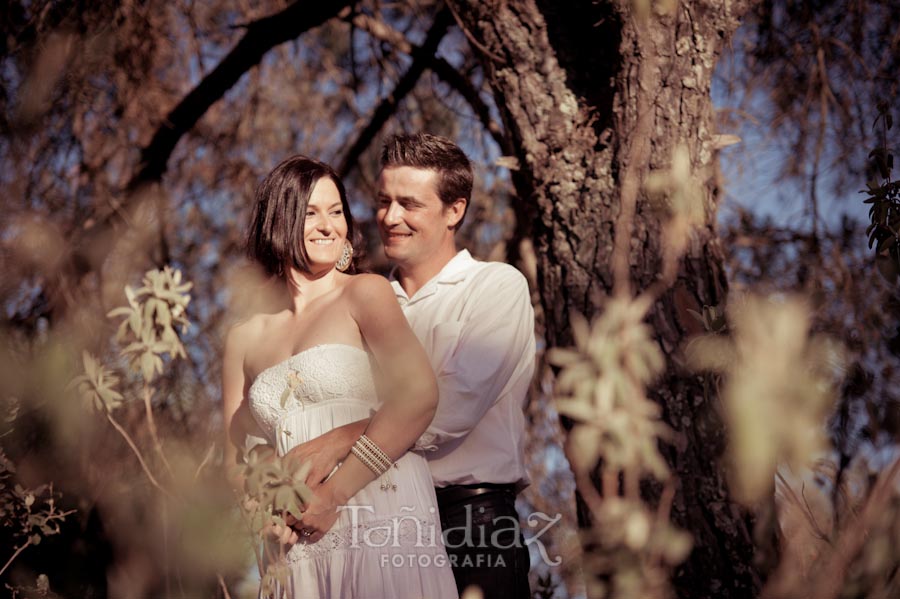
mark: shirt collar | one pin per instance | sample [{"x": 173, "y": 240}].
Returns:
[{"x": 456, "y": 270}]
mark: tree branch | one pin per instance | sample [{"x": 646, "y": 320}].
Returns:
[
  {"x": 382, "y": 31},
  {"x": 459, "y": 82},
  {"x": 421, "y": 59},
  {"x": 89, "y": 244},
  {"x": 262, "y": 35},
  {"x": 445, "y": 71}
]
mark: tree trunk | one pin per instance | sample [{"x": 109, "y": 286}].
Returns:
[{"x": 593, "y": 97}]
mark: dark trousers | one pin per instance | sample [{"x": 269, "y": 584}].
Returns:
[{"x": 484, "y": 540}]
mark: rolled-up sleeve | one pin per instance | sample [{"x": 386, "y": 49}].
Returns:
[{"x": 476, "y": 357}]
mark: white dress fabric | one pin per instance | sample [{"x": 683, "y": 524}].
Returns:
[{"x": 387, "y": 542}]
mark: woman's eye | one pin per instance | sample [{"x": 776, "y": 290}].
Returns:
[
  {"x": 310, "y": 213},
  {"x": 338, "y": 212}
]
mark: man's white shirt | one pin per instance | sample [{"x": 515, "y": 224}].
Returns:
[{"x": 476, "y": 323}]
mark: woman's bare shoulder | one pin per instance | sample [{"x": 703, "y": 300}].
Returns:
[
  {"x": 369, "y": 287},
  {"x": 245, "y": 332},
  {"x": 370, "y": 294}
]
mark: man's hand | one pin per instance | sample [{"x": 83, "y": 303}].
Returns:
[{"x": 324, "y": 452}]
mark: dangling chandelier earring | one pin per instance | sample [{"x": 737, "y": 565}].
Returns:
[{"x": 343, "y": 262}]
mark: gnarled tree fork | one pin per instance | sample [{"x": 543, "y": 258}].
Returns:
[{"x": 594, "y": 96}]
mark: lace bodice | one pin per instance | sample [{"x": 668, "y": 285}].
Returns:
[{"x": 321, "y": 373}]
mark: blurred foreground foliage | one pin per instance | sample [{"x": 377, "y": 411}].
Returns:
[{"x": 162, "y": 504}]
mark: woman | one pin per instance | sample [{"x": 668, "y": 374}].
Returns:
[{"x": 307, "y": 369}]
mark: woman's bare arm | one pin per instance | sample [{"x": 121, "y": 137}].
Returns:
[
  {"x": 233, "y": 387},
  {"x": 410, "y": 394}
]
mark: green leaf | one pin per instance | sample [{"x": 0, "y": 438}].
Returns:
[
  {"x": 160, "y": 347},
  {"x": 677, "y": 546},
  {"x": 147, "y": 366},
  {"x": 572, "y": 374},
  {"x": 169, "y": 336},
  {"x": 133, "y": 348},
  {"x": 559, "y": 356},
  {"x": 90, "y": 365},
  {"x": 111, "y": 399},
  {"x": 177, "y": 350},
  {"x": 885, "y": 244},
  {"x": 697, "y": 315},
  {"x": 581, "y": 330},
  {"x": 163, "y": 315},
  {"x": 120, "y": 311},
  {"x": 135, "y": 322},
  {"x": 76, "y": 383},
  {"x": 586, "y": 447},
  {"x": 576, "y": 409}
]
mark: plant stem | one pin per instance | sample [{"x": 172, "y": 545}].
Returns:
[
  {"x": 206, "y": 459},
  {"x": 137, "y": 452},
  {"x": 151, "y": 422},
  {"x": 15, "y": 555},
  {"x": 224, "y": 588}
]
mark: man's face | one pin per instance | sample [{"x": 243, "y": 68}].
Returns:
[{"x": 415, "y": 225}]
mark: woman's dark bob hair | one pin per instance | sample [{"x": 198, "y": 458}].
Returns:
[{"x": 279, "y": 215}]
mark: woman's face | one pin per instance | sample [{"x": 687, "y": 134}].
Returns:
[{"x": 326, "y": 226}]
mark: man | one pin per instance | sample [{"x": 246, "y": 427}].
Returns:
[{"x": 476, "y": 323}]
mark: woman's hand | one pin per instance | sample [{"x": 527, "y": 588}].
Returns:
[
  {"x": 284, "y": 534},
  {"x": 320, "y": 515}
]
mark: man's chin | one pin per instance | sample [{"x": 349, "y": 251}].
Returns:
[
  {"x": 393, "y": 248},
  {"x": 394, "y": 254}
]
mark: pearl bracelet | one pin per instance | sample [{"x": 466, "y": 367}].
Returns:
[{"x": 371, "y": 455}]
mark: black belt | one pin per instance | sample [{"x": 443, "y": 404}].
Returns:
[{"x": 455, "y": 493}]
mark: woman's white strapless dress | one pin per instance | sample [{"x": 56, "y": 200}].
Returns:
[{"x": 387, "y": 542}]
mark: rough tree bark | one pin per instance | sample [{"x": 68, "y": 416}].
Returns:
[{"x": 594, "y": 97}]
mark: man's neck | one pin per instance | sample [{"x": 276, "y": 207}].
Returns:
[{"x": 412, "y": 278}]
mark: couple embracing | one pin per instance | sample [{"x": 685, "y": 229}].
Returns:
[{"x": 405, "y": 396}]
